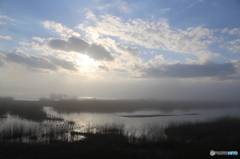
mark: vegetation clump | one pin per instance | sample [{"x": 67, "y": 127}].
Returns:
[{"x": 178, "y": 140}]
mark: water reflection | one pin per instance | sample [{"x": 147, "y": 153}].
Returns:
[
  {"x": 74, "y": 123},
  {"x": 14, "y": 128},
  {"x": 137, "y": 121}
]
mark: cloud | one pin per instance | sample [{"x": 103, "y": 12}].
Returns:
[
  {"x": 60, "y": 29},
  {"x": 39, "y": 39},
  {"x": 20, "y": 57},
  {"x": 2, "y": 23},
  {"x": 90, "y": 15},
  {"x": 5, "y": 37},
  {"x": 152, "y": 34},
  {"x": 204, "y": 56},
  {"x": 118, "y": 4},
  {"x": 159, "y": 57},
  {"x": 95, "y": 51},
  {"x": 103, "y": 68},
  {"x": 61, "y": 63},
  {"x": 6, "y": 17},
  {"x": 98, "y": 52},
  {"x": 178, "y": 70},
  {"x": 2, "y": 58},
  {"x": 164, "y": 10},
  {"x": 190, "y": 6},
  {"x": 233, "y": 45},
  {"x": 105, "y": 6},
  {"x": 38, "y": 63},
  {"x": 123, "y": 5},
  {"x": 234, "y": 31},
  {"x": 134, "y": 51}
]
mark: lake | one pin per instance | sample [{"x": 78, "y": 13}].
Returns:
[{"x": 60, "y": 120}]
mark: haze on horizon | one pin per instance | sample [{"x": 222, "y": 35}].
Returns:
[{"x": 166, "y": 50}]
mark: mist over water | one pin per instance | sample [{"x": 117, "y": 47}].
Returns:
[
  {"x": 45, "y": 119},
  {"x": 137, "y": 119}
]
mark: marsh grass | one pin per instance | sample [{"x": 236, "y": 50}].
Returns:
[
  {"x": 178, "y": 140},
  {"x": 31, "y": 110},
  {"x": 225, "y": 127},
  {"x": 13, "y": 128}
]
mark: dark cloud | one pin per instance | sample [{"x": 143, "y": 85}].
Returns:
[
  {"x": 120, "y": 70},
  {"x": 103, "y": 68},
  {"x": 2, "y": 57},
  {"x": 59, "y": 44},
  {"x": 62, "y": 63},
  {"x": 78, "y": 45},
  {"x": 34, "y": 62},
  {"x": 98, "y": 52},
  {"x": 30, "y": 60},
  {"x": 209, "y": 69},
  {"x": 94, "y": 51},
  {"x": 134, "y": 51}
]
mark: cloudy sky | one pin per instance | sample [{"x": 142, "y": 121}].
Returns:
[{"x": 168, "y": 50}]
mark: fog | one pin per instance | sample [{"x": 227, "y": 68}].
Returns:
[{"x": 32, "y": 86}]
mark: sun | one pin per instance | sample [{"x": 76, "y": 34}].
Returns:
[{"x": 86, "y": 64}]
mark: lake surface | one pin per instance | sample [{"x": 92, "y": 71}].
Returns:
[
  {"x": 139, "y": 119},
  {"x": 59, "y": 124}
]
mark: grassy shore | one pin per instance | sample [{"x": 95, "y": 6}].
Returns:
[
  {"x": 178, "y": 140},
  {"x": 31, "y": 110}
]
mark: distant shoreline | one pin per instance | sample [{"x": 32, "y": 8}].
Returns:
[{"x": 154, "y": 115}]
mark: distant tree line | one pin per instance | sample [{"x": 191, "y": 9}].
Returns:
[
  {"x": 57, "y": 97},
  {"x": 6, "y": 98}
]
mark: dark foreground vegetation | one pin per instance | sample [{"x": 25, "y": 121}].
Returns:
[
  {"x": 31, "y": 110},
  {"x": 178, "y": 140}
]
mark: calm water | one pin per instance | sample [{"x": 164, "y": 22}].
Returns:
[
  {"x": 139, "y": 119},
  {"x": 59, "y": 125}
]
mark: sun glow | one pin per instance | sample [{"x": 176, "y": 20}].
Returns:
[{"x": 86, "y": 63}]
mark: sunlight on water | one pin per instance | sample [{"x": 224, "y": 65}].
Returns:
[{"x": 71, "y": 127}]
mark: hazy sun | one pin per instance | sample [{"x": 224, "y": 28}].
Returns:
[{"x": 86, "y": 63}]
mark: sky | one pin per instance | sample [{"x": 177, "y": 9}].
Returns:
[{"x": 156, "y": 49}]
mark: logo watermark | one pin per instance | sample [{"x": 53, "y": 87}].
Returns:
[{"x": 212, "y": 152}]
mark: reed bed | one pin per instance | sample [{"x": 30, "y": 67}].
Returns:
[{"x": 177, "y": 140}]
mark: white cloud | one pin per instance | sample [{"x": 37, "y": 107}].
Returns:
[
  {"x": 5, "y": 37},
  {"x": 60, "y": 29},
  {"x": 39, "y": 39},
  {"x": 6, "y": 17},
  {"x": 90, "y": 15},
  {"x": 164, "y": 10},
  {"x": 233, "y": 45},
  {"x": 2, "y": 23},
  {"x": 205, "y": 56},
  {"x": 234, "y": 31},
  {"x": 105, "y": 6},
  {"x": 152, "y": 34},
  {"x": 159, "y": 57},
  {"x": 123, "y": 5},
  {"x": 134, "y": 51},
  {"x": 116, "y": 4}
]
